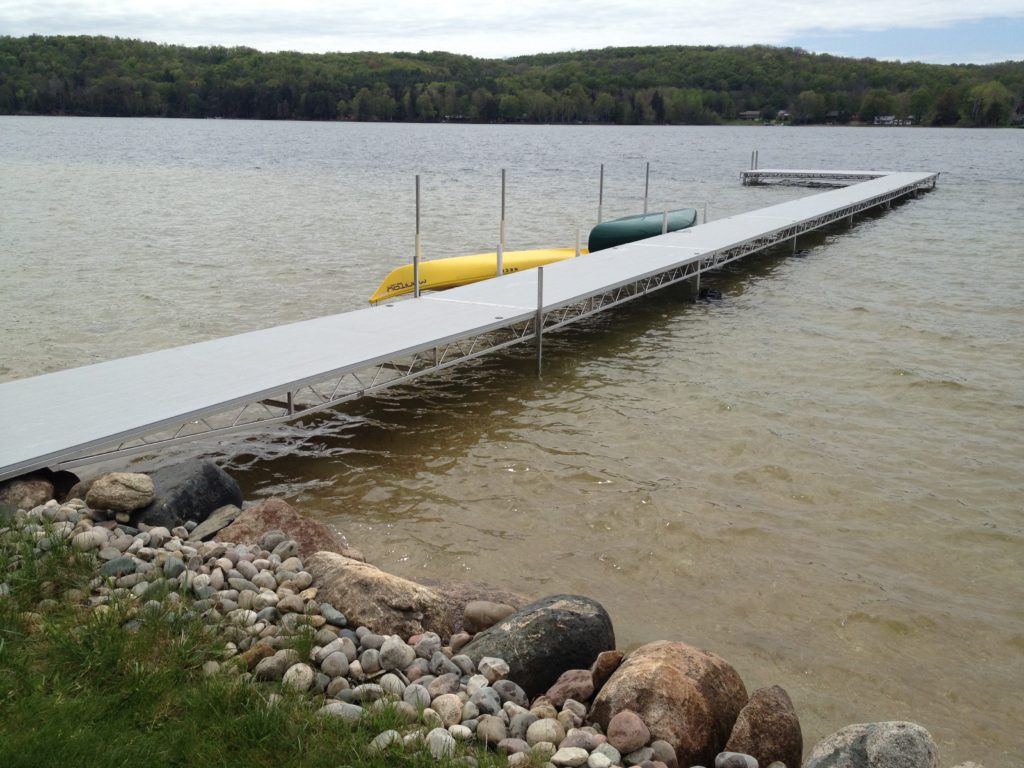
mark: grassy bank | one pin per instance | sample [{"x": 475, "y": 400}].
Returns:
[{"x": 123, "y": 683}]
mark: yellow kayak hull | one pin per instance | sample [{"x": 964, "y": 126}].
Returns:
[{"x": 438, "y": 274}]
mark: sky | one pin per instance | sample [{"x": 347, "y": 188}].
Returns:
[{"x": 934, "y": 31}]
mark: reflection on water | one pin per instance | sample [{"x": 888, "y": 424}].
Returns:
[{"x": 817, "y": 475}]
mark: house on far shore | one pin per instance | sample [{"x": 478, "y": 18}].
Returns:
[
  {"x": 750, "y": 114},
  {"x": 893, "y": 120}
]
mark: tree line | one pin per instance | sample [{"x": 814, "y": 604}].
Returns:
[{"x": 694, "y": 85}]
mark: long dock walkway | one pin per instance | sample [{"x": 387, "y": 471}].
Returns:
[{"x": 140, "y": 403}]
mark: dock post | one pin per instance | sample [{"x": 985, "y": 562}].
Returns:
[
  {"x": 539, "y": 321},
  {"x": 751, "y": 159},
  {"x": 501, "y": 260},
  {"x": 705, "y": 217},
  {"x": 503, "y": 209},
  {"x": 696, "y": 296},
  {"x": 577, "y": 241},
  {"x": 757, "y": 158},
  {"x": 416, "y": 255},
  {"x": 600, "y": 194},
  {"x": 647, "y": 185}
]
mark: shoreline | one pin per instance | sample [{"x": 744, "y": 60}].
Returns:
[{"x": 246, "y": 587}]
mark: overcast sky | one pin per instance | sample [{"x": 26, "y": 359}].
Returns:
[{"x": 941, "y": 31}]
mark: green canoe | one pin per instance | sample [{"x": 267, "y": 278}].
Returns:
[{"x": 608, "y": 234}]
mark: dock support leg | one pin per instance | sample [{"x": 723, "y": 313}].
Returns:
[
  {"x": 696, "y": 295},
  {"x": 540, "y": 318},
  {"x": 416, "y": 253},
  {"x": 794, "y": 243}
]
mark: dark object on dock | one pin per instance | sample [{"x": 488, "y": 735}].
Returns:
[{"x": 629, "y": 229}]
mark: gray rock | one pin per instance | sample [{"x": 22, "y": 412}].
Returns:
[
  {"x": 547, "y": 730},
  {"x": 332, "y": 615},
  {"x": 335, "y": 664},
  {"x": 416, "y": 695},
  {"x": 120, "y": 492},
  {"x": 119, "y": 566},
  {"x": 299, "y": 677},
  {"x": 510, "y": 691},
  {"x": 443, "y": 684},
  {"x": 482, "y": 614},
  {"x": 569, "y": 757},
  {"x": 735, "y": 760},
  {"x": 440, "y": 743},
  {"x": 442, "y": 665},
  {"x": 449, "y": 707},
  {"x": 545, "y": 638},
  {"x": 876, "y": 745},
  {"x": 273, "y": 667},
  {"x": 367, "y": 692},
  {"x": 343, "y": 710},
  {"x": 384, "y": 740},
  {"x": 638, "y": 756},
  {"x": 395, "y": 653},
  {"x": 487, "y": 701},
  {"x": 513, "y": 746},
  {"x": 491, "y": 729}
]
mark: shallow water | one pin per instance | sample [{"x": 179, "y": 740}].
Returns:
[{"x": 818, "y": 476}]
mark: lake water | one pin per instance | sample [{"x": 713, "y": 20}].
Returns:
[{"x": 818, "y": 476}]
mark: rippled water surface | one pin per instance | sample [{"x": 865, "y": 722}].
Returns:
[{"x": 817, "y": 476}]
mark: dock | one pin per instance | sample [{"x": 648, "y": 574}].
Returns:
[{"x": 245, "y": 382}]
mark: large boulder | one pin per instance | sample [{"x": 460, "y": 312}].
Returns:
[
  {"x": 120, "y": 491},
  {"x": 876, "y": 745},
  {"x": 545, "y": 638},
  {"x": 768, "y": 729},
  {"x": 387, "y": 604},
  {"x": 187, "y": 491},
  {"x": 687, "y": 697},
  {"x": 27, "y": 492},
  {"x": 276, "y": 514}
]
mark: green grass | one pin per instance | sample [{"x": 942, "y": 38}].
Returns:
[{"x": 123, "y": 686}]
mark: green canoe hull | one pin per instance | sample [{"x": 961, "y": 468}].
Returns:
[{"x": 628, "y": 229}]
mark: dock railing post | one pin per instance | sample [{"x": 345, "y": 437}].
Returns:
[
  {"x": 577, "y": 241},
  {"x": 696, "y": 295},
  {"x": 503, "y": 209},
  {"x": 501, "y": 260},
  {"x": 600, "y": 195},
  {"x": 416, "y": 255},
  {"x": 647, "y": 185},
  {"x": 664, "y": 222},
  {"x": 539, "y": 321},
  {"x": 704, "y": 218}
]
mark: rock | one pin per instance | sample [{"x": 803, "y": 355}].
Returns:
[
  {"x": 603, "y": 667},
  {"x": 299, "y": 677},
  {"x": 274, "y": 667},
  {"x": 664, "y": 752},
  {"x": 598, "y": 760},
  {"x": 493, "y": 669},
  {"x": 26, "y": 492},
  {"x": 575, "y": 684},
  {"x": 569, "y": 757},
  {"x": 876, "y": 745},
  {"x": 119, "y": 566},
  {"x": 509, "y": 691},
  {"x": 220, "y": 518},
  {"x": 491, "y": 730},
  {"x": 88, "y": 540},
  {"x": 255, "y": 522},
  {"x": 768, "y": 729},
  {"x": 440, "y": 743},
  {"x": 735, "y": 760},
  {"x": 120, "y": 492},
  {"x": 459, "y": 594},
  {"x": 545, "y": 730},
  {"x": 343, "y": 710},
  {"x": 449, "y": 707},
  {"x": 627, "y": 732},
  {"x": 187, "y": 492},
  {"x": 384, "y": 740},
  {"x": 481, "y": 614},
  {"x": 687, "y": 697},
  {"x": 545, "y": 638},
  {"x": 371, "y": 597}
]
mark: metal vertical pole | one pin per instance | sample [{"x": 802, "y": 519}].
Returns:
[
  {"x": 696, "y": 296},
  {"x": 540, "y": 317},
  {"x": 751, "y": 159},
  {"x": 577, "y": 241},
  {"x": 501, "y": 260},
  {"x": 705, "y": 218},
  {"x": 416, "y": 255},
  {"x": 600, "y": 195},
  {"x": 664, "y": 222},
  {"x": 647, "y": 185},
  {"x": 757, "y": 158},
  {"x": 503, "y": 209}
]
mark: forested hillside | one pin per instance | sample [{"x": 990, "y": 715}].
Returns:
[{"x": 680, "y": 85}]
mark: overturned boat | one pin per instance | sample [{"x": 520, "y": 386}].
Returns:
[{"x": 453, "y": 271}]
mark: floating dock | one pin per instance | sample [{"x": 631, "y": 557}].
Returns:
[{"x": 138, "y": 404}]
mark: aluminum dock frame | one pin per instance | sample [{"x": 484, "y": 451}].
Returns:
[{"x": 138, "y": 404}]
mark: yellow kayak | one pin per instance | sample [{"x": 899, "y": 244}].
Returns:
[{"x": 438, "y": 274}]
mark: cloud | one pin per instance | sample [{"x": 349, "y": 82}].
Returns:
[{"x": 483, "y": 29}]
